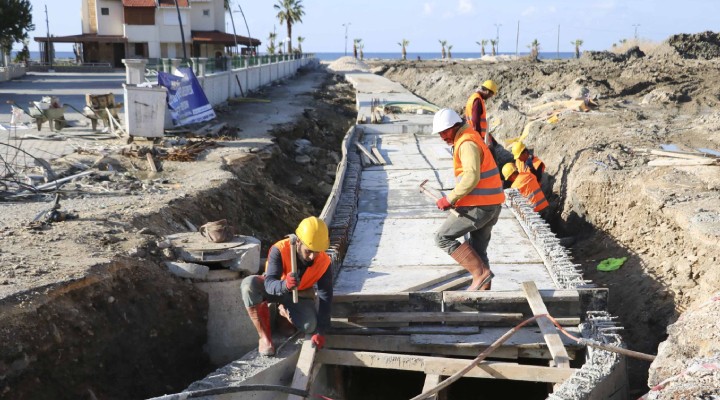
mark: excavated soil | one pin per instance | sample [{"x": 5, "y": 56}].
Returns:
[
  {"x": 606, "y": 200},
  {"x": 87, "y": 309}
]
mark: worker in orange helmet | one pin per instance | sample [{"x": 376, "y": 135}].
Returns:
[
  {"x": 278, "y": 282},
  {"x": 525, "y": 162},
  {"x": 478, "y": 196},
  {"x": 527, "y": 185}
]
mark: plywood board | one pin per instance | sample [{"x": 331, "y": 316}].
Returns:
[
  {"x": 524, "y": 337},
  {"x": 389, "y": 279}
]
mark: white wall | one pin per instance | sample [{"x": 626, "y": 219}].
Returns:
[
  {"x": 111, "y": 24},
  {"x": 142, "y": 33},
  {"x": 167, "y": 22},
  {"x": 198, "y": 20}
]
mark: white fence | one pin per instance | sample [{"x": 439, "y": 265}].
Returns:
[{"x": 12, "y": 71}]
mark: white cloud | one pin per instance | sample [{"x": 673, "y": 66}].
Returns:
[
  {"x": 529, "y": 11},
  {"x": 605, "y": 5},
  {"x": 427, "y": 8},
  {"x": 465, "y": 6}
]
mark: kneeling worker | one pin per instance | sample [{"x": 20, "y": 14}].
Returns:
[
  {"x": 278, "y": 282},
  {"x": 477, "y": 196},
  {"x": 527, "y": 185},
  {"x": 525, "y": 162}
]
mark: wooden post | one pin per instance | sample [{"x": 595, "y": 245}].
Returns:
[
  {"x": 303, "y": 371},
  {"x": 555, "y": 344}
]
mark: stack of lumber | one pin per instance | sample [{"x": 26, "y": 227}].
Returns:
[{"x": 681, "y": 158}]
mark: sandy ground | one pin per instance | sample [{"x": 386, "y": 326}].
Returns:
[{"x": 605, "y": 197}]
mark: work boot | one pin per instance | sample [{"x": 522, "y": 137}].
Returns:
[
  {"x": 284, "y": 323},
  {"x": 466, "y": 256},
  {"x": 260, "y": 317}
]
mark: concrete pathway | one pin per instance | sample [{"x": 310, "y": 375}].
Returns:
[{"x": 392, "y": 248}]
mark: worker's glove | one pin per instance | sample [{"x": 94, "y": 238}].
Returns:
[
  {"x": 291, "y": 281},
  {"x": 443, "y": 203},
  {"x": 318, "y": 341}
]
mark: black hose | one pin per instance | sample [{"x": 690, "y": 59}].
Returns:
[{"x": 234, "y": 389}]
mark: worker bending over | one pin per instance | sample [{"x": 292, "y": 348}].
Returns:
[
  {"x": 477, "y": 196},
  {"x": 526, "y": 162},
  {"x": 276, "y": 285},
  {"x": 527, "y": 185}
]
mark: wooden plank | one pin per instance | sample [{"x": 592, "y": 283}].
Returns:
[
  {"x": 526, "y": 337},
  {"x": 432, "y": 380},
  {"x": 561, "y": 303},
  {"x": 151, "y": 162},
  {"x": 367, "y": 153},
  {"x": 550, "y": 333},
  {"x": 404, "y": 344},
  {"x": 687, "y": 156},
  {"x": 303, "y": 371},
  {"x": 454, "y": 284},
  {"x": 338, "y": 328},
  {"x": 418, "y": 317},
  {"x": 445, "y": 366},
  {"x": 378, "y": 155},
  {"x": 443, "y": 278},
  {"x": 381, "y": 297},
  {"x": 666, "y": 162}
]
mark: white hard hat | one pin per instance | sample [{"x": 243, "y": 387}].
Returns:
[{"x": 445, "y": 118}]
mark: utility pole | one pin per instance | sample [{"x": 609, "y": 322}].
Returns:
[
  {"x": 558, "y": 43},
  {"x": 182, "y": 31},
  {"x": 517, "y": 39},
  {"x": 346, "y": 29},
  {"x": 497, "y": 37},
  {"x": 636, "y": 26},
  {"x": 49, "y": 44}
]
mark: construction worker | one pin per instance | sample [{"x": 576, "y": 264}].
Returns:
[
  {"x": 525, "y": 162},
  {"x": 476, "y": 116},
  {"x": 278, "y": 282},
  {"x": 527, "y": 185},
  {"x": 477, "y": 196}
]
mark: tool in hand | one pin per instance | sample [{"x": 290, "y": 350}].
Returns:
[
  {"x": 293, "y": 264},
  {"x": 435, "y": 197}
]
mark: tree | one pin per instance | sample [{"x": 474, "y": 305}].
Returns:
[
  {"x": 271, "y": 43},
  {"x": 361, "y": 46},
  {"x": 534, "y": 49},
  {"x": 449, "y": 51},
  {"x": 443, "y": 43},
  {"x": 404, "y": 44},
  {"x": 493, "y": 42},
  {"x": 482, "y": 44},
  {"x": 356, "y": 44},
  {"x": 15, "y": 22},
  {"x": 289, "y": 12},
  {"x": 577, "y": 43},
  {"x": 300, "y": 40}
]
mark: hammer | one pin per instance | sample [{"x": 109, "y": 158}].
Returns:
[{"x": 428, "y": 193}]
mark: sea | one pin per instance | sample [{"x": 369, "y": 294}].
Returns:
[{"x": 331, "y": 56}]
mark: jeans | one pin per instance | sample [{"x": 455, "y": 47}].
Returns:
[
  {"x": 477, "y": 221},
  {"x": 303, "y": 314}
]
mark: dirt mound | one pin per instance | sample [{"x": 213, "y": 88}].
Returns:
[
  {"x": 348, "y": 64},
  {"x": 633, "y": 52},
  {"x": 705, "y": 45}
]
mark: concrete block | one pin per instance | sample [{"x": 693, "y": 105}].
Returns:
[
  {"x": 187, "y": 270},
  {"x": 249, "y": 259}
]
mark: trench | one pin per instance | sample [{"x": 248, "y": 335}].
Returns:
[{"x": 130, "y": 330}]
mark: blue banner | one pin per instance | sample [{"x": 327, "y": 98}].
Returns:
[{"x": 186, "y": 98}]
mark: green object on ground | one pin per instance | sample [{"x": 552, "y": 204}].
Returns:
[{"x": 611, "y": 264}]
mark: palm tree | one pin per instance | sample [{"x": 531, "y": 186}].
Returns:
[
  {"x": 300, "y": 40},
  {"x": 534, "y": 49},
  {"x": 361, "y": 46},
  {"x": 482, "y": 44},
  {"x": 271, "y": 43},
  {"x": 443, "y": 43},
  {"x": 404, "y": 44},
  {"x": 289, "y": 12},
  {"x": 449, "y": 51},
  {"x": 493, "y": 42},
  {"x": 356, "y": 44},
  {"x": 577, "y": 43}
]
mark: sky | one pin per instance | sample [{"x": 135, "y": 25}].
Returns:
[{"x": 462, "y": 23}]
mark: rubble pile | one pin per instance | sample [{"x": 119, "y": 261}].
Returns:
[{"x": 705, "y": 45}]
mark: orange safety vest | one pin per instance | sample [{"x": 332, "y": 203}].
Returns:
[
  {"x": 483, "y": 116},
  {"x": 489, "y": 190},
  {"x": 528, "y": 186},
  {"x": 312, "y": 274},
  {"x": 537, "y": 163}
]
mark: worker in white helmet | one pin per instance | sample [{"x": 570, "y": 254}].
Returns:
[{"x": 477, "y": 196}]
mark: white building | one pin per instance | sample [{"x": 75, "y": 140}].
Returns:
[{"x": 117, "y": 29}]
